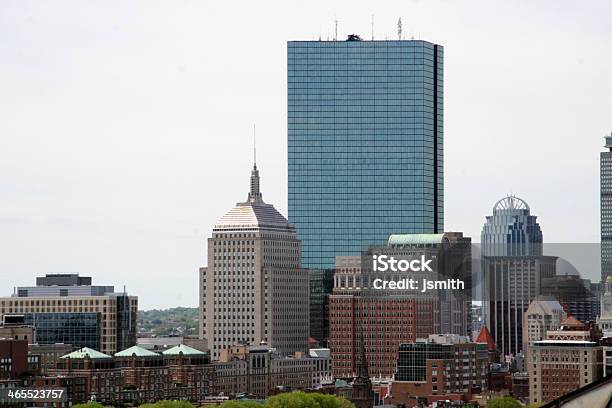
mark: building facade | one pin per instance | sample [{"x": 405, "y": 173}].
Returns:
[
  {"x": 14, "y": 328},
  {"x": 604, "y": 321},
  {"x": 438, "y": 366},
  {"x": 542, "y": 315},
  {"x": 605, "y": 178},
  {"x": 389, "y": 317},
  {"x": 512, "y": 230},
  {"x": 321, "y": 286},
  {"x": 569, "y": 358},
  {"x": 512, "y": 268},
  {"x": 254, "y": 288},
  {"x": 384, "y": 322},
  {"x": 365, "y": 143},
  {"x": 513, "y": 282},
  {"x": 137, "y": 375},
  {"x": 257, "y": 371},
  {"x": 66, "y": 308},
  {"x": 579, "y": 297}
]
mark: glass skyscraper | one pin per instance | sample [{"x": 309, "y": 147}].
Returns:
[
  {"x": 513, "y": 270},
  {"x": 365, "y": 132}
]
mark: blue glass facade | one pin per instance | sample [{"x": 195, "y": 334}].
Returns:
[
  {"x": 78, "y": 329},
  {"x": 365, "y": 152}
]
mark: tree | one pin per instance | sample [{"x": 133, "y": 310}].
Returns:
[
  {"x": 242, "y": 404},
  {"x": 503, "y": 402},
  {"x": 169, "y": 404},
  {"x": 307, "y": 400},
  {"x": 296, "y": 399},
  {"x": 90, "y": 404}
]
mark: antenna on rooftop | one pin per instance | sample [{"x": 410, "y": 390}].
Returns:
[
  {"x": 399, "y": 29},
  {"x": 372, "y": 27},
  {"x": 335, "y": 29}
]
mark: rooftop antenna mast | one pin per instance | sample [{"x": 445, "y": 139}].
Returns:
[
  {"x": 399, "y": 29},
  {"x": 335, "y": 29},
  {"x": 372, "y": 27}
]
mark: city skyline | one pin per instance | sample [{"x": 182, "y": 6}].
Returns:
[{"x": 73, "y": 200}]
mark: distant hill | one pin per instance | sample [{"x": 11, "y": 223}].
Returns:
[{"x": 178, "y": 321}]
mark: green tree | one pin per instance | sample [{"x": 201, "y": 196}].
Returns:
[
  {"x": 169, "y": 404},
  {"x": 307, "y": 400},
  {"x": 503, "y": 402},
  {"x": 242, "y": 404},
  {"x": 89, "y": 405}
]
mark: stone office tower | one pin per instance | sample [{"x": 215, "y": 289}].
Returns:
[
  {"x": 605, "y": 169},
  {"x": 253, "y": 289}
]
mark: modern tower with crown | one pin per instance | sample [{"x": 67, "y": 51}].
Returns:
[{"x": 253, "y": 289}]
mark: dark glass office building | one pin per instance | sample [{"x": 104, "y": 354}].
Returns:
[
  {"x": 365, "y": 133},
  {"x": 82, "y": 329}
]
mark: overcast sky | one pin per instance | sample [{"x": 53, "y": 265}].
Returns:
[{"x": 126, "y": 126}]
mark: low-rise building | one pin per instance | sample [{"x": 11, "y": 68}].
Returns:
[
  {"x": 14, "y": 328},
  {"x": 566, "y": 360},
  {"x": 66, "y": 308},
  {"x": 14, "y": 360},
  {"x": 137, "y": 375},
  {"x": 257, "y": 370},
  {"x": 440, "y": 366},
  {"x": 49, "y": 354}
]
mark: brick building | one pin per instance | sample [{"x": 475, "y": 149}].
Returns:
[
  {"x": 388, "y": 318},
  {"x": 258, "y": 371},
  {"x": 137, "y": 375},
  {"x": 439, "y": 367},
  {"x": 568, "y": 359}
]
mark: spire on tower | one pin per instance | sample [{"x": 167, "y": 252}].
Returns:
[
  {"x": 255, "y": 193},
  {"x": 254, "y": 147}
]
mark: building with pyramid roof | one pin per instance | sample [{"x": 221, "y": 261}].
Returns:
[
  {"x": 136, "y": 351},
  {"x": 485, "y": 337},
  {"x": 137, "y": 375},
  {"x": 543, "y": 314},
  {"x": 87, "y": 352},
  {"x": 253, "y": 288},
  {"x": 184, "y": 350}
]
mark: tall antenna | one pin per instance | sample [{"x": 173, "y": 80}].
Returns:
[
  {"x": 335, "y": 29},
  {"x": 254, "y": 146},
  {"x": 372, "y": 27},
  {"x": 399, "y": 29}
]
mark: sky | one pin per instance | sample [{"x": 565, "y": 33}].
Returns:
[{"x": 126, "y": 126}]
